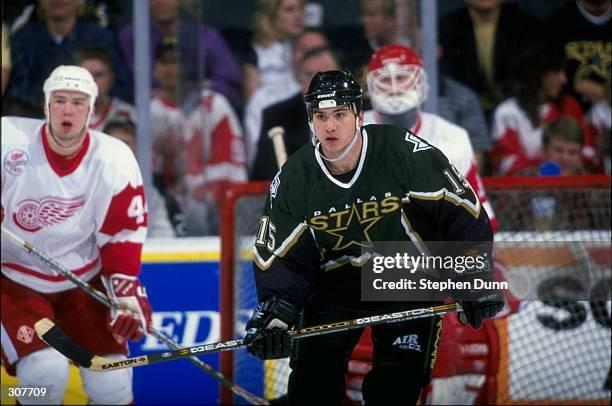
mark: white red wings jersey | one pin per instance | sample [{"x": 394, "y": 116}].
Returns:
[
  {"x": 455, "y": 143},
  {"x": 88, "y": 213},
  {"x": 214, "y": 148},
  {"x": 115, "y": 109}
]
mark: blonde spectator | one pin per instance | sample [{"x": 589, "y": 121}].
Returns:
[{"x": 277, "y": 22}]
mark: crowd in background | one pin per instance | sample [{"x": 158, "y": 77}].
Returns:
[{"x": 531, "y": 92}]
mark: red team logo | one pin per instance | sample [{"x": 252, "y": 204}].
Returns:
[
  {"x": 25, "y": 334},
  {"x": 16, "y": 161},
  {"x": 33, "y": 215}
]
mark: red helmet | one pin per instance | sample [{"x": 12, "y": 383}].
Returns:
[{"x": 397, "y": 81}]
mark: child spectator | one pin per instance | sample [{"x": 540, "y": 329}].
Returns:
[
  {"x": 563, "y": 140},
  {"x": 97, "y": 60}
]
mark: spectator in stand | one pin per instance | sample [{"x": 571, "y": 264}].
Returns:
[
  {"x": 268, "y": 63},
  {"x": 586, "y": 38},
  {"x": 215, "y": 158},
  {"x": 41, "y": 45},
  {"x": 97, "y": 60},
  {"x": 268, "y": 95},
  {"x": 165, "y": 217},
  {"x": 197, "y": 43},
  {"x": 563, "y": 140},
  {"x": 478, "y": 42},
  {"x": 519, "y": 121},
  {"x": 290, "y": 114},
  {"x": 6, "y": 58},
  {"x": 197, "y": 153},
  {"x": 167, "y": 121},
  {"x": 587, "y": 25},
  {"x": 380, "y": 24}
]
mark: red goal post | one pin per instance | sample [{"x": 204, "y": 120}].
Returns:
[{"x": 527, "y": 208}]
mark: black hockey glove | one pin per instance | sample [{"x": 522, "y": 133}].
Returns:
[
  {"x": 485, "y": 307},
  {"x": 266, "y": 332},
  {"x": 480, "y": 304}
]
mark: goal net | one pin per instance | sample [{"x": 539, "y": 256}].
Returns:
[{"x": 552, "y": 350}]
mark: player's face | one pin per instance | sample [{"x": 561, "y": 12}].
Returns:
[
  {"x": 67, "y": 112},
  {"x": 567, "y": 154},
  {"x": 335, "y": 128}
]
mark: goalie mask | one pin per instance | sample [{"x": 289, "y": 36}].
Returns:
[
  {"x": 72, "y": 78},
  {"x": 396, "y": 80}
]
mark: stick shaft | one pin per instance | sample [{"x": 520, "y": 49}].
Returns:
[
  {"x": 113, "y": 304},
  {"x": 54, "y": 335}
]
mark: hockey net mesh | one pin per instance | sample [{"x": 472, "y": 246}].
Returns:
[{"x": 567, "y": 362}]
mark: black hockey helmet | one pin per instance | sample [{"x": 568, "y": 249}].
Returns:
[{"x": 333, "y": 88}]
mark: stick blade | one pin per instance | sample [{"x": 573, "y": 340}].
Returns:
[{"x": 56, "y": 338}]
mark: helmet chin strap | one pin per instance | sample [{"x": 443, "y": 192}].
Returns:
[{"x": 345, "y": 151}]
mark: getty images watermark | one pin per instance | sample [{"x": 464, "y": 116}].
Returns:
[{"x": 430, "y": 271}]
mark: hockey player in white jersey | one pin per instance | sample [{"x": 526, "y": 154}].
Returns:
[
  {"x": 77, "y": 195},
  {"x": 397, "y": 85}
]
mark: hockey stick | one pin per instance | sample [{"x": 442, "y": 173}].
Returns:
[
  {"x": 56, "y": 338},
  {"x": 113, "y": 304},
  {"x": 276, "y": 135}
]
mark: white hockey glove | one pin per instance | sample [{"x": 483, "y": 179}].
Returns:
[{"x": 135, "y": 319}]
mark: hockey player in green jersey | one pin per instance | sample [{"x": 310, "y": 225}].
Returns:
[{"x": 353, "y": 187}]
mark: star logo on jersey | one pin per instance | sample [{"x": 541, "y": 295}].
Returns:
[
  {"x": 593, "y": 56},
  {"x": 355, "y": 226},
  {"x": 16, "y": 161},
  {"x": 32, "y": 215},
  {"x": 419, "y": 144}
]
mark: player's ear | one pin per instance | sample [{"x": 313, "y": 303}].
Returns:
[{"x": 360, "y": 116}]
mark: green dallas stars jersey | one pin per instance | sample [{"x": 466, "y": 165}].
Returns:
[{"x": 314, "y": 226}]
